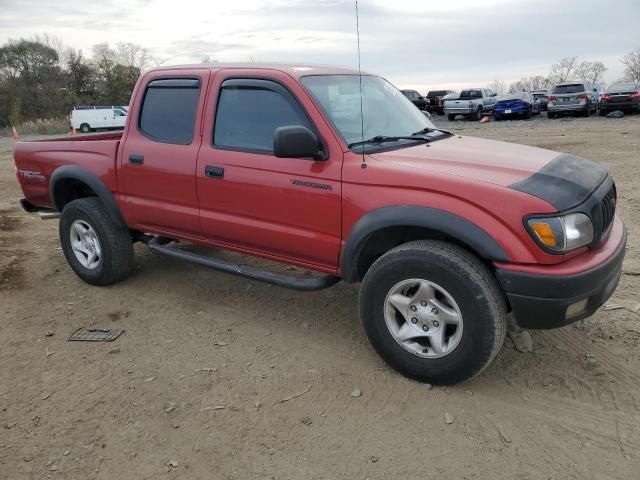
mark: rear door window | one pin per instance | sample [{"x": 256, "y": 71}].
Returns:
[{"x": 168, "y": 112}]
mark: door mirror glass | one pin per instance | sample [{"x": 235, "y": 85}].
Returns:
[{"x": 296, "y": 141}]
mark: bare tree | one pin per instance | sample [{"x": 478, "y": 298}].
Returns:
[
  {"x": 56, "y": 43},
  {"x": 526, "y": 84},
  {"x": 498, "y": 86},
  {"x": 591, "y": 71},
  {"x": 631, "y": 62},
  {"x": 564, "y": 70},
  {"x": 132, "y": 55}
]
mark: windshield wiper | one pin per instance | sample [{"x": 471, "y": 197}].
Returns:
[
  {"x": 383, "y": 138},
  {"x": 431, "y": 130}
]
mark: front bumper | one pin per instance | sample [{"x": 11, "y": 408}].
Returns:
[{"x": 540, "y": 301}]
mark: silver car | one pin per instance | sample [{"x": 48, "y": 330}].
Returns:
[{"x": 572, "y": 97}]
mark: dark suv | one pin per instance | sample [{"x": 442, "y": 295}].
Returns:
[
  {"x": 621, "y": 96},
  {"x": 435, "y": 99},
  {"x": 417, "y": 99}
]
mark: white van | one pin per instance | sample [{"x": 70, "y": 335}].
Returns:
[{"x": 87, "y": 118}]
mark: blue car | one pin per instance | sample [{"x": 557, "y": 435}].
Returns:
[{"x": 521, "y": 104}]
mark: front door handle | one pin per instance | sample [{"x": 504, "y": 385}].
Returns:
[
  {"x": 214, "y": 172},
  {"x": 136, "y": 159}
]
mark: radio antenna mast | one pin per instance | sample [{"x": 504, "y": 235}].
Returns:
[{"x": 364, "y": 164}]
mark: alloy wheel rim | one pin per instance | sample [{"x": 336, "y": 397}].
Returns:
[
  {"x": 423, "y": 318},
  {"x": 85, "y": 244}
]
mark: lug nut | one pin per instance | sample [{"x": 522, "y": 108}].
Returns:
[
  {"x": 423, "y": 303},
  {"x": 425, "y": 328},
  {"x": 436, "y": 323},
  {"x": 414, "y": 320},
  {"x": 426, "y": 350},
  {"x": 413, "y": 308},
  {"x": 434, "y": 311}
]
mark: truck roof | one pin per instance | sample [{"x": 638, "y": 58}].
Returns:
[{"x": 294, "y": 69}]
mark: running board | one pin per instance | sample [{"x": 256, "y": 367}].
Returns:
[{"x": 295, "y": 283}]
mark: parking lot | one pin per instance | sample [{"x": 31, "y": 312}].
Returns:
[{"x": 220, "y": 377}]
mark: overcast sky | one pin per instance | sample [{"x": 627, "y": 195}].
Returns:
[{"x": 421, "y": 44}]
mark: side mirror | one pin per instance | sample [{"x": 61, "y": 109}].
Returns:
[{"x": 296, "y": 141}]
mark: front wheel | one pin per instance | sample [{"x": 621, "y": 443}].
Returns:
[
  {"x": 433, "y": 311},
  {"x": 99, "y": 251},
  {"x": 478, "y": 114},
  {"x": 451, "y": 117}
]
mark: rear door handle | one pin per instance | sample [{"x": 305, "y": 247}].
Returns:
[
  {"x": 214, "y": 172},
  {"x": 136, "y": 159}
]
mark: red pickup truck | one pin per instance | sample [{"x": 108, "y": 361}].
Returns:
[{"x": 339, "y": 173}]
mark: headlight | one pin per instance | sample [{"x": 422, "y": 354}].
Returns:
[{"x": 562, "y": 234}]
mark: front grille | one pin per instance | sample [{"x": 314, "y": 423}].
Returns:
[{"x": 608, "y": 210}]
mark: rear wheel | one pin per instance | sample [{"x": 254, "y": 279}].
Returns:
[
  {"x": 99, "y": 251},
  {"x": 478, "y": 114},
  {"x": 451, "y": 117},
  {"x": 85, "y": 128},
  {"x": 433, "y": 311},
  {"x": 587, "y": 111},
  {"x": 551, "y": 114},
  {"x": 528, "y": 113}
]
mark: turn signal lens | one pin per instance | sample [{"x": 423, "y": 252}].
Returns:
[
  {"x": 545, "y": 234},
  {"x": 562, "y": 234}
]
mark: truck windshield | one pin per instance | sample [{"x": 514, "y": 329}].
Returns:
[{"x": 385, "y": 113}]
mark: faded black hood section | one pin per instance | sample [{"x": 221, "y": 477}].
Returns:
[{"x": 564, "y": 182}]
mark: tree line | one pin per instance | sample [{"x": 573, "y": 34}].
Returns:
[
  {"x": 42, "y": 78},
  {"x": 571, "y": 68}
]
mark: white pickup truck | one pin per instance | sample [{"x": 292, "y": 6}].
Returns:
[
  {"x": 473, "y": 102},
  {"x": 86, "y": 118}
]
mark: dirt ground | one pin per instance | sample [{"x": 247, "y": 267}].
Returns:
[{"x": 218, "y": 377}]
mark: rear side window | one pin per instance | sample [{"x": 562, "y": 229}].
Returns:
[
  {"x": 248, "y": 115},
  {"x": 169, "y": 110},
  {"x": 573, "y": 88}
]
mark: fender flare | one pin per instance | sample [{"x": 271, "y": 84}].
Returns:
[
  {"x": 415, "y": 216},
  {"x": 90, "y": 179}
]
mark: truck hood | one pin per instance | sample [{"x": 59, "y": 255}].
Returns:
[{"x": 562, "y": 180}]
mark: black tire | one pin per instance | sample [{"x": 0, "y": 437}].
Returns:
[
  {"x": 85, "y": 128},
  {"x": 497, "y": 118},
  {"x": 478, "y": 114},
  {"x": 587, "y": 112},
  {"x": 116, "y": 244},
  {"x": 551, "y": 114},
  {"x": 469, "y": 282},
  {"x": 451, "y": 117},
  {"x": 528, "y": 114}
]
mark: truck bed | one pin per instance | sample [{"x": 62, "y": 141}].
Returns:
[{"x": 37, "y": 159}]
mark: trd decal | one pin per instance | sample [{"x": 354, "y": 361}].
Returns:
[
  {"x": 304, "y": 183},
  {"x": 32, "y": 174}
]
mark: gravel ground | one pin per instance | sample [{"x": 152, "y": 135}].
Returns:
[{"x": 217, "y": 377}]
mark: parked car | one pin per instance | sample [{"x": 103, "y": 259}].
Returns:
[
  {"x": 86, "y": 118},
  {"x": 471, "y": 103},
  {"x": 521, "y": 104},
  {"x": 417, "y": 99},
  {"x": 541, "y": 97},
  {"x": 621, "y": 96},
  {"x": 436, "y": 100},
  {"x": 573, "y": 97},
  {"x": 278, "y": 162}
]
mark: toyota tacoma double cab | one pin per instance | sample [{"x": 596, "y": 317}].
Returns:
[{"x": 337, "y": 172}]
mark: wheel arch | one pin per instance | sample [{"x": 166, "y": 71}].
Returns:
[
  {"x": 70, "y": 182},
  {"x": 385, "y": 228}
]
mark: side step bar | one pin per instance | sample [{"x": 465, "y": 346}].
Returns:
[
  {"x": 295, "y": 283},
  {"x": 43, "y": 213}
]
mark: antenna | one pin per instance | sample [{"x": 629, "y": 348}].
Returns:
[{"x": 364, "y": 163}]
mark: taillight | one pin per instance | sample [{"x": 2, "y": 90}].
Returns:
[
  {"x": 582, "y": 96},
  {"x": 605, "y": 96},
  {"x": 552, "y": 98},
  {"x": 634, "y": 95}
]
